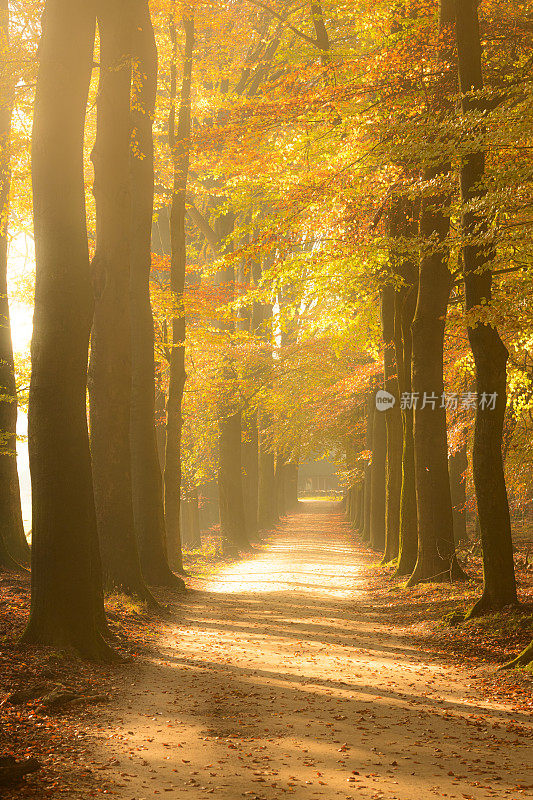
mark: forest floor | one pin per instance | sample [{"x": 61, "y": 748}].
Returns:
[{"x": 300, "y": 671}]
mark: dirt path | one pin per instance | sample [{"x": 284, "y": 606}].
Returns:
[{"x": 273, "y": 682}]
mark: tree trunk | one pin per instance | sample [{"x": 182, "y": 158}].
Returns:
[
  {"x": 266, "y": 503},
  {"x": 378, "y": 481},
  {"x": 281, "y": 500},
  {"x": 66, "y": 604},
  {"x": 147, "y": 485},
  {"x": 524, "y": 659},
  {"x": 110, "y": 376},
  {"x": 370, "y": 411},
  {"x": 232, "y": 520},
  {"x": 393, "y": 420},
  {"x": 490, "y": 354},
  {"x": 15, "y": 546},
  {"x": 365, "y": 532},
  {"x": 360, "y": 518},
  {"x": 291, "y": 485},
  {"x": 436, "y": 559},
  {"x": 250, "y": 476},
  {"x": 194, "y": 521},
  {"x": 180, "y": 145},
  {"x": 232, "y": 517},
  {"x": 405, "y": 310},
  {"x": 458, "y": 464}
]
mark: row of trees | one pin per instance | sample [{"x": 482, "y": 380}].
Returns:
[{"x": 292, "y": 207}]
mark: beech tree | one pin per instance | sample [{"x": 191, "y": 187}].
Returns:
[
  {"x": 13, "y": 544},
  {"x": 436, "y": 559},
  {"x": 147, "y": 489},
  {"x": 66, "y": 605},
  {"x": 110, "y": 385},
  {"x": 490, "y": 353},
  {"x": 179, "y": 145}
]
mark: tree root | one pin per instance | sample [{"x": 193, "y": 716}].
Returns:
[
  {"x": 13, "y": 772},
  {"x": 486, "y": 606},
  {"x": 523, "y": 659}
]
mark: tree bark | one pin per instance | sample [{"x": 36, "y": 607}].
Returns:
[
  {"x": 436, "y": 559},
  {"x": 371, "y": 410},
  {"x": 281, "y": 500},
  {"x": 14, "y": 547},
  {"x": 232, "y": 519},
  {"x": 110, "y": 375},
  {"x": 393, "y": 420},
  {"x": 250, "y": 476},
  {"x": 266, "y": 503},
  {"x": 147, "y": 487},
  {"x": 66, "y": 605},
  {"x": 458, "y": 464},
  {"x": 490, "y": 354},
  {"x": 194, "y": 520},
  {"x": 180, "y": 145},
  {"x": 378, "y": 481},
  {"x": 291, "y": 485},
  {"x": 524, "y": 659}
]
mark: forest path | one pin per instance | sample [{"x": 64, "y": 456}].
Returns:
[{"x": 278, "y": 681}]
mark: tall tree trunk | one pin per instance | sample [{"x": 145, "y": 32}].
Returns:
[
  {"x": 266, "y": 503},
  {"x": 524, "y": 659},
  {"x": 458, "y": 464},
  {"x": 13, "y": 544},
  {"x": 378, "y": 481},
  {"x": 231, "y": 503},
  {"x": 490, "y": 354},
  {"x": 147, "y": 484},
  {"x": 436, "y": 559},
  {"x": 66, "y": 604},
  {"x": 180, "y": 145},
  {"x": 360, "y": 510},
  {"x": 404, "y": 315},
  {"x": 370, "y": 412},
  {"x": 291, "y": 485},
  {"x": 110, "y": 377},
  {"x": 280, "y": 484},
  {"x": 194, "y": 521},
  {"x": 393, "y": 420},
  {"x": 230, "y": 484},
  {"x": 250, "y": 477}
]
